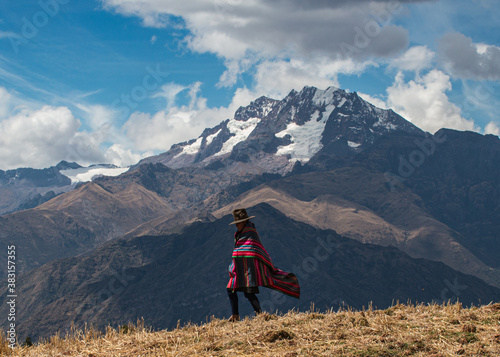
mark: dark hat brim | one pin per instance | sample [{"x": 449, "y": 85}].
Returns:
[{"x": 242, "y": 220}]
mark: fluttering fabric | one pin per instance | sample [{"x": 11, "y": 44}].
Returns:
[{"x": 252, "y": 266}]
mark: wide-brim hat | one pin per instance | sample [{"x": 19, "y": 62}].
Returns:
[{"x": 240, "y": 215}]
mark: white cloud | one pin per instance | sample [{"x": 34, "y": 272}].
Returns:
[
  {"x": 158, "y": 132},
  {"x": 38, "y": 138},
  {"x": 153, "y": 39},
  {"x": 492, "y": 128},
  {"x": 118, "y": 155},
  {"x": 277, "y": 78},
  {"x": 234, "y": 69},
  {"x": 466, "y": 59},
  {"x": 284, "y": 45},
  {"x": 97, "y": 116},
  {"x": 424, "y": 102},
  {"x": 43, "y": 136},
  {"x": 415, "y": 59},
  {"x": 375, "y": 101},
  {"x": 262, "y": 29}
]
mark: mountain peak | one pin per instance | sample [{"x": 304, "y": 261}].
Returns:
[
  {"x": 259, "y": 108},
  {"x": 272, "y": 135},
  {"x": 64, "y": 165}
]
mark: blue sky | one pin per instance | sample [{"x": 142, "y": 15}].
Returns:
[{"x": 117, "y": 80}]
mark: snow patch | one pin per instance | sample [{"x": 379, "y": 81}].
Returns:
[
  {"x": 86, "y": 174},
  {"x": 353, "y": 144},
  {"x": 191, "y": 149},
  {"x": 315, "y": 115},
  {"x": 328, "y": 111},
  {"x": 306, "y": 138},
  {"x": 241, "y": 131},
  {"x": 211, "y": 138},
  {"x": 342, "y": 102},
  {"x": 194, "y": 148}
]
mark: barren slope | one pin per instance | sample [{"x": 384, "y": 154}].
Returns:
[{"x": 356, "y": 203}]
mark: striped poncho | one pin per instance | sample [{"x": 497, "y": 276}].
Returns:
[{"x": 252, "y": 266}]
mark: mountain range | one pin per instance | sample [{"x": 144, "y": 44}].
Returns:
[
  {"x": 272, "y": 136},
  {"x": 397, "y": 202},
  {"x": 25, "y": 188}
]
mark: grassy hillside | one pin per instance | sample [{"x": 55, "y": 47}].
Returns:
[{"x": 402, "y": 330}]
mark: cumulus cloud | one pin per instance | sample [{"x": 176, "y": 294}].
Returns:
[
  {"x": 43, "y": 136},
  {"x": 415, "y": 59},
  {"x": 177, "y": 123},
  {"x": 380, "y": 103},
  {"x": 424, "y": 102},
  {"x": 466, "y": 59},
  {"x": 277, "y": 78},
  {"x": 492, "y": 128},
  {"x": 119, "y": 155},
  {"x": 37, "y": 138}
]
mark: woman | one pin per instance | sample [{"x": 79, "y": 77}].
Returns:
[{"x": 252, "y": 267}]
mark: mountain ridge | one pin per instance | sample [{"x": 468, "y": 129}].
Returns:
[
  {"x": 274, "y": 134},
  {"x": 25, "y": 188}
]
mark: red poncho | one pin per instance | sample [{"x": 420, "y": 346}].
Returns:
[{"x": 252, "y": 266}]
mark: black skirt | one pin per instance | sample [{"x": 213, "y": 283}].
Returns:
[{"x": 249, "y": 290}]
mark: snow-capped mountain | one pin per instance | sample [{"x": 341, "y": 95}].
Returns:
[
  {"x": 25, "y": 188},
  {"x": 272, "y": 135},
  {"x": 268, "y": 135}
]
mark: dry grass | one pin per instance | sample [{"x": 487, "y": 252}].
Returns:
[{"x": 402, "y": 330}]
